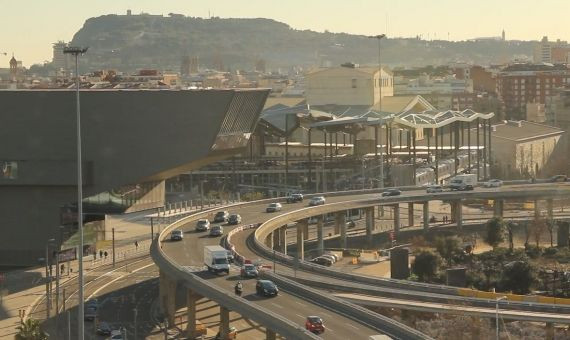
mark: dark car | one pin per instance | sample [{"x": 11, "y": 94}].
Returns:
[
  {"x": 90, "y": 313},
  {"x": 314, "y": 324},
  {"x": 293, "y": 198},
  {"x": 323, "y": 261},
  {"x": 103, "y": 328},
  {"x": 230, "y": 256},
  {"x": 266, "y": 288},
  {"x": 249, "y": 270},
  {"x": 391, "y": 192},
  {"x": 234, "y": 219},
  {"x": 558, "y": 178},
  {"x": 217, "y": 230},
  {"x": 221, "y": 216},
  {"x": 176, "y": 235}
]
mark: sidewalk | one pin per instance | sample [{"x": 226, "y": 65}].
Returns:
[{"x": 24, "y": 300}]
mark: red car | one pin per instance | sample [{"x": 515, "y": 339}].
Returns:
[{"x": 315, "y": 324}]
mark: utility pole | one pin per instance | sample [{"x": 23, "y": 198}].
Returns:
[
  {"x": 135, "y": 310},
  {"x": 77, "y": 51},
  {"x": 379, "y": 38},
  {"x": 113, "y": 236}
]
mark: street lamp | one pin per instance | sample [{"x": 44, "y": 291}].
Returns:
[
  {"x": 379, "y": 38},
  {"x": 48, "y": 278},
  {"x": 76, "y": 52},
  {"x": 497, "y": 315}
]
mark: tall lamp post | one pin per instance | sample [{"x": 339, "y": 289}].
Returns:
[
  {"x": 497, "y": 315},
  {"x": 76, "y": 52},
  {"x": 379, "y": 38}
]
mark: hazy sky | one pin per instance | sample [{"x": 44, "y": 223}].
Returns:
[{"x": 28, "y": 27}]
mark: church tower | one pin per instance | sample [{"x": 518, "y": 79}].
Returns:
[{"x": 13, "y": 69}]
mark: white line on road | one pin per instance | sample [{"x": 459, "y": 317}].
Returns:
[
  {"x": 299, "y": 315},
  {"x": 276, "y": 305},
  {"x": 353, "y": 326},
  {"x": 300, "y": 303}
]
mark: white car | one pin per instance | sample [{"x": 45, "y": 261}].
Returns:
[
  {"x": 203, "y": 225},
  {"x": 273, "y": 207},
  {"x": 434, "y": 188},
  {"x": 493, "y": 183},
  {"x": 319, "y": 200},
  {"x": 116, "y": 335}
]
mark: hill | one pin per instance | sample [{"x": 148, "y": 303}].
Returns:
[{"x": 130, "y": 42}]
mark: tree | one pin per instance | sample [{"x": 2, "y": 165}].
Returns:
[
  {"x": 550, "y": 227},
  {"x": 538, "y": 227},
  {"x": 447, "y": 247},
  {"x": 495, "y": 232},
  {"x": 518, "y": 277},
  {"x": 30, "y": 330},
  {"x": 510, "y": 231},
  {"x": 426, "y": 265}
]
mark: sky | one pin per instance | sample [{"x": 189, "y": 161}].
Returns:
[{"x": 29, "y": 27}]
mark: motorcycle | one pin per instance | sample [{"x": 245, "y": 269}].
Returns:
[{"x": 238, "y": 290}]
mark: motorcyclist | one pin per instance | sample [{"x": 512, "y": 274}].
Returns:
[{"x": 239, "y": 288}]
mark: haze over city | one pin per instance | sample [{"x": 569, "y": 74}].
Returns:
[{"x": 29, "y": 34}]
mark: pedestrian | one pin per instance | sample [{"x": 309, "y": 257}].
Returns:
[
  {"x": 136, "y": 245},
  {"x": 105, "y": 254},
  {"x": 100, "y": 254},
  {"x": 62, "y": 268}
]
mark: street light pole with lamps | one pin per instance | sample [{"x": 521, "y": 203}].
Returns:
[
  {"x": 497, "y": 315},
  {"x": 379, "y": 38},
  {"x": 76, "y": 52}
]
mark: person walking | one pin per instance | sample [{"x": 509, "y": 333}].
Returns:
[
  {"x": 136, "y": 245},
  {"x": 100, "y": 254},
  {"x": 105, "y": 253}
]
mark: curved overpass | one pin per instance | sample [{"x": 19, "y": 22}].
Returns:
[{"x": 188, "y": 253}]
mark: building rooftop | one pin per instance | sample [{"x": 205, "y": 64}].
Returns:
[{"x": 522, "y": 130}]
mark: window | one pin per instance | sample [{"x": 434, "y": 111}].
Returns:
[
  {"x": 353, "y": 83},
  {"x": 8, "y": 170}
]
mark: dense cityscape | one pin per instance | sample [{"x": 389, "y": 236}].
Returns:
[{"x": 240, "y": 178}]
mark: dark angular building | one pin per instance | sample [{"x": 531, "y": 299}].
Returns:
[{"x": 132, "y": 141}]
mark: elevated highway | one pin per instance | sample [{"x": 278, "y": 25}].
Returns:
[{"x": 266, "y": 243}]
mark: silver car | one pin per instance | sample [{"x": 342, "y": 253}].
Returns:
[
  {"x": 434, "y": 188},
  {"x": 203, "y": 225},
  {"x": 217, "y": 230},
  {"x": 493, "y": 183}
]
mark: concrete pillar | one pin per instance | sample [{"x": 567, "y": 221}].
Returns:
[
  {"x": 224, "y": 322},
  {"x": 475, "y": 328},
  {"x": 276, "y": 240},
  {"x": 339, "y": 218},
  {"x": 426, "y": 215},
  {"x": 498, "y": 208},
  {"x": 191, "y": 300},
  {"x": 270, "y": 334},
  {"x": 411, "y": 214},
  {"x": 283, "y": 239},
  {"x": 300, "y": 240},
  {"x": 306, "y": 230},
  {"x": 167, "y": 291},
  {"x": 343, "y": 238},
  {"x": 536, "y": 210},
  {"x": 549, "y": 331},
  {"x": 320, "y": 238},
  {"x": 269, "y": 241},
  {"x": 459, "y": 214},
  {"x": 396, "y": 219},
  {"x": 369, "y": 225},
  {"x": 549, "y": 209}
]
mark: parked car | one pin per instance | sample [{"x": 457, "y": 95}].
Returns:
[
  {"x": 293, "y": 198},
  {"x": 558, "y": 178},
  {"x": 322, "y": 261},
  {"x": 104, "y": 328},
  {"x": 249, "y": 270},
  {"x": 319, "y": 200},
  {"x": 493, "y": 183},
  {"x": 351, "y": 224},
  {"x": 234, "y": 219},
  {"x": 391, "y": 192},
  {"x": 273, "y": 207},
  {"x": 314, "y": 324},
  {"x": 217, "y": 230},
  {"x": 202, "y": 225},
  {"x": 432, "y": 189},
  {"x": 330, "y": 257},
  {"x": 117, "y": 335},
  {"x": 336, "y": 257},
  {"x": 222, "y": 216},
  {"x": 266, "y": 288},
  {"x": 176, "y": 235}
]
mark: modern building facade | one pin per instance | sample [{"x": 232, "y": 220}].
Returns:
[{"x": 132, "y": 141}]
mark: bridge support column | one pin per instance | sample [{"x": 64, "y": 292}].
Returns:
[
  {"x": 550, "y": 209},
  {"x": 369, "y": 225},
  {"x": 426, "y": 216},
  {"x": 339, "y": 218},
  {"x": 536, "y": 210},
  {"x": 270, "y": 334},
  {"x": 320, "y": 236},
  {"x": 167, "y": 291},
  {"x": 498, "y": 208},
  {"x": 269, "y": 241},
  {"x": 411, "y": 214},
  {"x": 283, "y": 239},
  {"x": 475, "y": 328},
  {"x": 306, "y": 230},
  {"x": 276, "y": 240},
  {"x": 224, "y": 322},
  {"x": 549, "y": 331},
  {"x": 396, "y": 219},
  {"x": 191, "y": 300},
  {"x": 300, "y": 239},
  {"x": 343, "y": 239},
  {"x": 458, "y": 214}
]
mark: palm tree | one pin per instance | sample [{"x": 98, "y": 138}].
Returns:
[{"x": 30, "y": 330}]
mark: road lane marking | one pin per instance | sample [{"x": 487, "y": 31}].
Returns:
[
  {"x": 300, "y": 303},
  {"x": 299, "y": 315},
  {"x": 276, "y": 305},
  {"x": 353, "y": 326}
]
